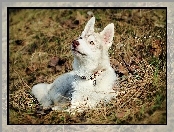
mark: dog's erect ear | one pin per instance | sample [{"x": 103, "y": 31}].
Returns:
[
  {"x": 89, "y": 28},
  {"x": 108, "y": 34}
]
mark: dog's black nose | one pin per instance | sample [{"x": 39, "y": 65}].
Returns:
[{"x": 75, "y": 43}]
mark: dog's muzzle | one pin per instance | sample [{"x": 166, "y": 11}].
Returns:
[{"x": 75, "y": 43}]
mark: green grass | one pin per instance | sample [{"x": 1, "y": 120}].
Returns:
[{"x": 138, "y": 52}]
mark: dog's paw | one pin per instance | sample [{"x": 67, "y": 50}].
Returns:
[{"x": 57, "y": 108}]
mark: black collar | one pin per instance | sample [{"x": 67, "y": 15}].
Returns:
[{"x": 93, "y": 76}]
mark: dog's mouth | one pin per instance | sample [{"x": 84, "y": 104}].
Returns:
[{"x": 76, "y": 51}]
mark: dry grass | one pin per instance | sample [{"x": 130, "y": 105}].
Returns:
[{"x": 138, "y": 55}]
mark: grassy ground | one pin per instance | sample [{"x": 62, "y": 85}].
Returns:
[{"x": 138, "y": 55}]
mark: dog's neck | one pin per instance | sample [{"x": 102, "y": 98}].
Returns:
[
  {"x": 83, "y": 66},
  {"x": 92, "y": 76},
  {"x": 89, "y": 69}
]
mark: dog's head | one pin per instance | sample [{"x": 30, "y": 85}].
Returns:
[{"x": 90, "y": 49}]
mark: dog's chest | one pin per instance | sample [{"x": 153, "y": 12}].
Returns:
[
  {"x": 84, "y": 85},
  {"x": 83, "y": 91},
  {"x": 87, "y": 86}
]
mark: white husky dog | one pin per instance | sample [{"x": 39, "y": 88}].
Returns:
[{"x": 92, "y": 78}]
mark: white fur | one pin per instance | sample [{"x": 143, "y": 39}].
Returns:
[{"x": 88, "y": 59}]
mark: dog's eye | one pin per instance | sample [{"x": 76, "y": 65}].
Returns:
[{"x": 91, "y": 42}]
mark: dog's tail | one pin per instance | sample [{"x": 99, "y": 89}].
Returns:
[{"x": 40, "y": 91}]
